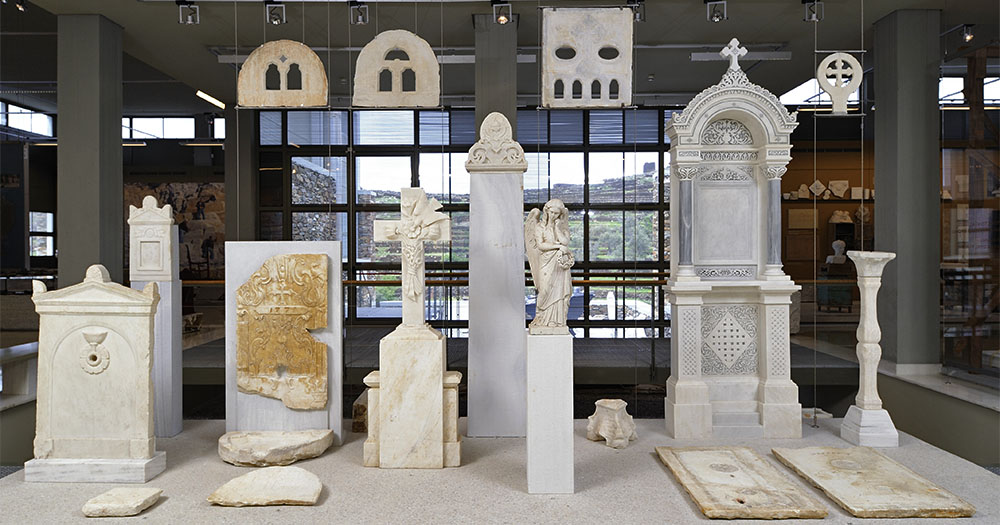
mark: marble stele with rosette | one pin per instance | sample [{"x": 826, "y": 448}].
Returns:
[
  {"x": 94, "y": 420},
  {"x": 729, "y": 297}
]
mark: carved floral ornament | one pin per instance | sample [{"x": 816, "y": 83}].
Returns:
[
  {"x": 775, "y": 172},
  {"x": 496, "y": 150}
]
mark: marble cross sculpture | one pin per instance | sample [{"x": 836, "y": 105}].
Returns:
[
  {"x": 420, "y": 222},
  {"x": 412, "y": 399},
  {"x": 867, "y": 423},
  {"x": 839, "y": 75},
  {"x": 733, "y": 51},
  {"x": 546, "y": 241}
]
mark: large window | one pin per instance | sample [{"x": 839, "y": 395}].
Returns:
[
  {"x": 24, "y": 119},
  {"x": 329, "y": 175}
]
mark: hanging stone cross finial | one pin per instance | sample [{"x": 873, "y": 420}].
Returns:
[
  {"x": 733, "y": 51},
  {"x": 420, "y": 221}
]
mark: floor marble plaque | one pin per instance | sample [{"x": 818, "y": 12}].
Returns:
[
  {"x": 870, "y": 485},
  {"x": 737, "y": 483},
  {"x": 275, "y": 309}
]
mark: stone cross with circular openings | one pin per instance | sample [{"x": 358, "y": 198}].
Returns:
[
  {"x": 839, "y": 74},
  {"x": 733, "y": 51}
]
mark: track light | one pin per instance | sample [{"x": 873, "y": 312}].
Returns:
[
  {"x": 638, "y": 9},
  {"x": 21, "y": 5},
  {"x": 188, "y": 13},
  {"x": 967, "y": 35},
  {"x": 502, "y": 12},
  {"x": 274, "y": 13},
  {"x": 716, "y": 10},
  {"x": 814, "y": 11},
  {"x": 359, "y": 13}
]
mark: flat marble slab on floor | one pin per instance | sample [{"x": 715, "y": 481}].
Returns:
[{"x": 614, "y": 486}]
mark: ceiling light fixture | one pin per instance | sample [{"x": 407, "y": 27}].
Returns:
[
  {"x": 638, "y": 9},
  {"x": 967, "y": 33},
  {"x": 210, "y": 99},
  {"x": 274, "y": 13},
  {"x": 716, "y": 11},
  {"x": 21, "y": 5},
  {"x": 814, "y": 11},
  {"x": 359, "y": 13},
  {"x": 188, "y": 13},
  {"x": 502, "y": 12}
]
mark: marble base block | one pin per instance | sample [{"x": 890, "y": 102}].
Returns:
[
  {"x": 550, "y": 414},
  {"x": 869, "y": 428},
  {"x": 168, "y": 388},
  {"x": 411, "y": 398},
  {"x": 62, "y": 470}
]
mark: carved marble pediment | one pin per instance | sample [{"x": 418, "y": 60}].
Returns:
[{"x": 496, "y": 150}]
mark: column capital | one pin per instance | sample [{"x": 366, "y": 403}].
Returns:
[{"x": 775, "y": 172}]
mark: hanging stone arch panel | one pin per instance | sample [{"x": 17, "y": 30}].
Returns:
[
  {"x": 282, "y": 73},
  {"x": 397, "y": 69}
]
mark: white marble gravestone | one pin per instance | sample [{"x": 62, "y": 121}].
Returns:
[
  {"x": 397, "y": 69},
  {"x": 250, "y": 411},
  {"x": 866, "y": 422},
  {"x": 839, "y": 74},
  {"x": 282, "y": 73},
  {"x": 729, "y": 298},
  {"x": 412, "y": 400},
  {"x": 497, "y": 380},
  {"x": 94, "y": 419},
  {"x": 550, "y": 352},
  {"x": 154, "y": 257},
  {"x": 587, "y": 57}
]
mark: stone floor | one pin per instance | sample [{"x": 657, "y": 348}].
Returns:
[{"x": 615, "y": 486}]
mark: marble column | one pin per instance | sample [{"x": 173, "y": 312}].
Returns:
[
  {"x": 685, "y": 175},
  {"x": 89, "y": 195},
  {"x": 497, "y": 373},
  {"x": 773, "y": 175}
]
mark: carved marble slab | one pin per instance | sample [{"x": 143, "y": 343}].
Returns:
[
  {"x": 736, "y": 482},
  {"x": 870, "y": 485},
  {"x": 275, "y": 309}
]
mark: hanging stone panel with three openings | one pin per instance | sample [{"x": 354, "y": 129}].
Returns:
[
  {"x": 586, "y": 57},
  {"x": 397, "y": 69},
  {"x": 282, "y": 73}
]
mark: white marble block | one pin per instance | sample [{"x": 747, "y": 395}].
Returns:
[
  {"x": 94, "y": 419},
  {"x": 869, "y": 428},
  {"x": 550, "y": 414},
  {"x": 497, "y": 383},
  {"x": 250, "y": 412},
  {"x": 729, "y": 298}
]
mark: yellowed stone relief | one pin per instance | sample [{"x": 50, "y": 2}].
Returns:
[{"x": 275, "y": 309}]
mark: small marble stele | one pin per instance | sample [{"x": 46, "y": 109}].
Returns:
[
  {"x": 273, "y": 448},
  {"x": 611, "y": 423},
  {"x": 269, "y": 486},
  {"x": 869, "y": 485},
  {"x": 275, "y": 309},
  {"x": 737, "y": 483},
  {"x": 121, "y": 501}
]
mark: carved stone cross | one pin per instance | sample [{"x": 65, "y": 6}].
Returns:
[
  {"x": 420, "y": 222},
  {"x": 734, "y": 52}
]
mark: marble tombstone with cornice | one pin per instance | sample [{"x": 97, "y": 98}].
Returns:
[{"x": 729, "y": 298}]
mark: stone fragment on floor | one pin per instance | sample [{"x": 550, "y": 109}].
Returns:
[
  {"x": 269, "y": 486},
  {"x": 611, "y": 423},
  {"x": 121, "y": 501},
  {"x": 273, "y": 447}
]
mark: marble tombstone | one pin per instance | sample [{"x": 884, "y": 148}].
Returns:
[
  {"x": 587, "y": 57},
  {"x": 94, "y": 419},
  {"x": 283, "y": 337},
  {"x": 550, "y": 352},
  {"x": 154, "y": 257},
  {"x": 397, "y": 69},
  {"x": 282, "y": 73},
  {"x": 729, "y": 298},
  {"x": 412, "y": 399},
  {"x": 839, "y": 74},
  {"x": 497, "y": 352}
]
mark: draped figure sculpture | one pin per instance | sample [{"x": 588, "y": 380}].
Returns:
[{"x": 546, "y": 241}]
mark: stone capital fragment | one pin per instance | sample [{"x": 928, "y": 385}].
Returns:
[{"x": 611, "y": 423}]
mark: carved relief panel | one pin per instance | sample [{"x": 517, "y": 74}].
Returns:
[
  {"x": 587, "y": 57},
  {"x": 729, "y": 340},
  {"x": 282, "y": 73},
  {"x": 275, "y": 309},
  {"x": 397, "y": 69}
]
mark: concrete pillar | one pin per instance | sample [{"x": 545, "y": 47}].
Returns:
[
  {"x": 496, "y": 69},
  {"x": 241, "y": 175},
  {"x": 908, "y": 180},
  {"x": 89, "y": 216}
]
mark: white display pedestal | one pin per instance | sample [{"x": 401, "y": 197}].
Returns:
[
  {"x": 168, "y": 387},
  {"x": 63, "y": 470},
  {"x": 869, "y": 428},
  {"x": 550, "y": 414}
]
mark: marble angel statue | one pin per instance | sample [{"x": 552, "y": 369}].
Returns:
[{"x": 546, "y": 241}]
